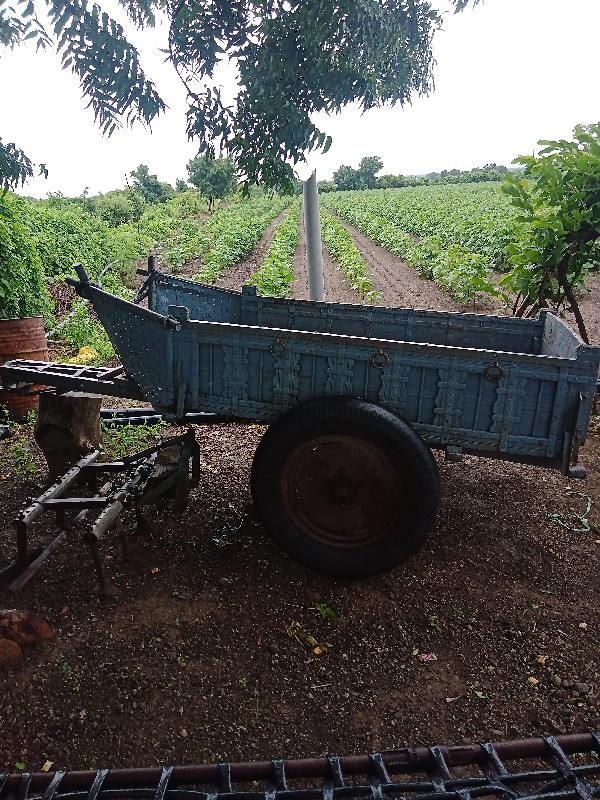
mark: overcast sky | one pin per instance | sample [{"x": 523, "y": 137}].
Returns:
[{"x": 509, "y": 72}]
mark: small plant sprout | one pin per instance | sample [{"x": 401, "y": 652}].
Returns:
[
  {"x": 257, "y": 706},
  {"x": 243, "y": 682},
  {"x": 221, "y": 540},
  {"x": 21, "y": 458},
  {"x": 529, "y": 607},
  {"x": 324, "y": 610}
]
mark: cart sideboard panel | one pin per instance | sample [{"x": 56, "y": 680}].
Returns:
[{"x": 498, "y": 386}]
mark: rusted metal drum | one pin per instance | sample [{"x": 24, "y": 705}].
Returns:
[{"x": 22, "y": 338}]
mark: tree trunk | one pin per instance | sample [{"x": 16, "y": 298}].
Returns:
[
  {"x": 532, "y": 310},
  {"x": 525, "y": 304},
  {"x": 570, "y": 295},
  {"x": 575, "y": 309},
  {"x": 67, "y": 428}
]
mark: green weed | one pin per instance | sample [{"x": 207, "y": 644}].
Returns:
[
  {"x": 324, "y": 610},
  {"x": 19, "y": 450},
  {"x": 127, "y": 439}
]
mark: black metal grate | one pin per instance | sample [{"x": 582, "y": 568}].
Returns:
[{"x": 544, "y": 772}]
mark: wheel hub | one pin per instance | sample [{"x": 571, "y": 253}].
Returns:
[{"x": 341, "y": 490}]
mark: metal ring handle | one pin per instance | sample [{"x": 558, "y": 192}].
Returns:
[
  {"x": 278, "y": 348},
  {"x": 494, "y": 372},
  {"x": 380, "y": 360}
]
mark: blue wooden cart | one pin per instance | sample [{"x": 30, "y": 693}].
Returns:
[{"x": 344, "y": 478}]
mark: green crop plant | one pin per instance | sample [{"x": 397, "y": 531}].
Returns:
[
  {"x": 81, "y": 330},
  {"x": 43, "y": 239},
  {"x": 276, "y": 272},
  {"x": 455, "y": 235},
  {"x": 341, "y": 247},
  {"x": 225, "y": 238},
  {"x": 64, "y": 235},
  {"x": 22, "y": 289}
]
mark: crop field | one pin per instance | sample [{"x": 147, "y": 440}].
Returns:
[
  {"x": 223, "y": 239},
  {"x": 488, "y": 632},
  {"x": 455, "y": 235},
  {"x": 379, "y": 245}
]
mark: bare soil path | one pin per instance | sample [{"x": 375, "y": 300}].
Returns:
[
  {"x": 299, "y": 286},
  {"x": 192, "y": 662},
  {"x": 398, "y": 283}
]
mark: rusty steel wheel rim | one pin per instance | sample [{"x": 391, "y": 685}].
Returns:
[{"x": 341, "y": 491}]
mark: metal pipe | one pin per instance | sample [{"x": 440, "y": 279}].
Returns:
[
  {"x": 314, "y": 243},
  {"x": 33, "y": 511},
  {"x": 112, "y": 511},
  {"x": 116, "y": 417},
  {"x": 30, "y": 571},
  {"x": 409, "y": 759}
]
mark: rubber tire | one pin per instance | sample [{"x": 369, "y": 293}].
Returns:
[{"x": 384, "y": 432}]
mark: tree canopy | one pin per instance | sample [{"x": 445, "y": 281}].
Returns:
[
  {"x": 293, "y": 58},
  {"x": 362, "y": 178},
  {"x": 558, "y": 196},
  {"x": 213, "y": 177},
  {"x": 151, "y": 189}
]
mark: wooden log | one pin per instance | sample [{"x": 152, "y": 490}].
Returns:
[{"x": 67, "y": 428}]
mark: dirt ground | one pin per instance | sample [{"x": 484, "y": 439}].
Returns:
[{"x": 489, "y": 632}]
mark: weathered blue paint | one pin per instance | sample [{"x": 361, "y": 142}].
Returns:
[{"x": 519, "y": 389}]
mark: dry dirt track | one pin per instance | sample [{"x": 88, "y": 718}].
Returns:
[{"x": 193, "y": 662}]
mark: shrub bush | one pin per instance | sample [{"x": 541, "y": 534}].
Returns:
[{"x": 22, "y": 289}]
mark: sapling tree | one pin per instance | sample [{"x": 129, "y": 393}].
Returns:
[{"x": 558, "y": 196}]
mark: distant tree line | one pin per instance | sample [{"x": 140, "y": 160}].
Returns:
[
  {"x": 213, "y": 178},
  {"x": 365, "y": 177}
]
